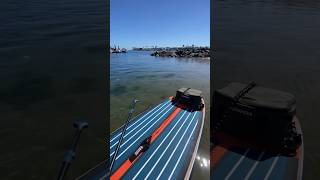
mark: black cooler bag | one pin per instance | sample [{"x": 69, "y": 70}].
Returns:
[
  {"x": 256, "y": 113},
  {"x": 191, "y": 98}
]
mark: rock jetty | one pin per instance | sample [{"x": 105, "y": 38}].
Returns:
[{"x": 196, "y": 52}]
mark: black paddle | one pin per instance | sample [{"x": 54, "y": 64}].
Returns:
[
  {"x": 122, "y": 133},
  {"x": 79, "y": 125}
]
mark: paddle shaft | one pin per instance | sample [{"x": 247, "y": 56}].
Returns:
[
  {"x": 71, "y": 153},
  {"x": 122, "y": 134}
]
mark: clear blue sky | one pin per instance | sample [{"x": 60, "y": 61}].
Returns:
[{"x": 136, "y": 23}]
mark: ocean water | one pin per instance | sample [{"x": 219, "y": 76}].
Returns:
[
  {"x": 150, "y": 79},
  {"x": 51, "y": 73}
]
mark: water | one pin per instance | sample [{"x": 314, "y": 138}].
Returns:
[
  {"x": 276, "y": 44},
  {"x": 138, "y": 75},
  {"x": 51, "y": 74}
]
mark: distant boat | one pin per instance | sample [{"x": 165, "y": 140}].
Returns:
[
  {"x": 117, "y": 50},
  {"x": 123, "y": 50}
]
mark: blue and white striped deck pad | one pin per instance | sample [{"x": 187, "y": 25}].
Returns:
[
  {"x": 234, "y": 159},
  {"x": 169, "y": 156},
  {"x": 255, "y": 165}
]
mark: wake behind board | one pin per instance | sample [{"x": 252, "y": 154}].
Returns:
[
  {"x": 161, "y": 142},
  {"x": 233, "y": 158}
]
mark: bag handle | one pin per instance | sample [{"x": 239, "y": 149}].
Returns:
[{"x": 244, "y": 91}]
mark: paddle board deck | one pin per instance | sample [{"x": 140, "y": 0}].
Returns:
[
  {"x": 172, "y": 153},
  {"x": 233, "y": 159}
]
